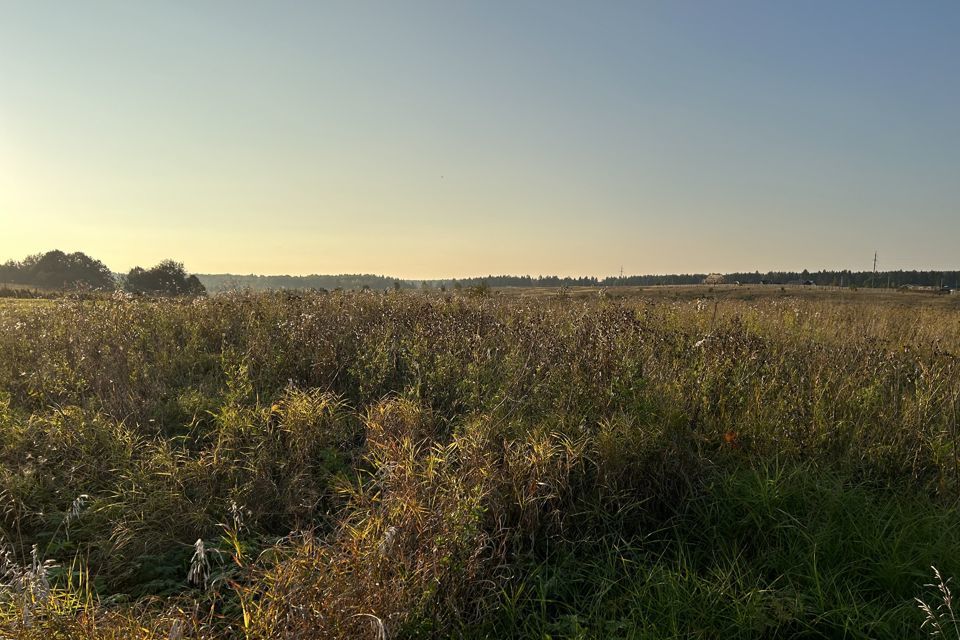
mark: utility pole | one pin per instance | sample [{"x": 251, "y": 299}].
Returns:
[{"x": 874, "y": 276}]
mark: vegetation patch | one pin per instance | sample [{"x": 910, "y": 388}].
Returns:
[{"x": 414, "y": 464}]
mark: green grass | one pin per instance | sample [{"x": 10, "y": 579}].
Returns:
[
  {"x": 761, "y": 553},
  {"x": 477, "y": 465}
]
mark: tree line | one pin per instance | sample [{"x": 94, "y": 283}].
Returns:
[
  {"x": 836, "y": 278},
  {"x": 847, "y": 278},
  {"x": 78, "y": 271},
  {"x": 69, "y": 271},
  {"x": 232, "y": 282}
]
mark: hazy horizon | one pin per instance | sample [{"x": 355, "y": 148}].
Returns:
[
  {"x": 480, "y": 274},
  {"x": 430, "y": 140}
]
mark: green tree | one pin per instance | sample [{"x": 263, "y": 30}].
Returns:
[
  {"x": 58, "y": 270},
  {"x": 169, "y": 278}
]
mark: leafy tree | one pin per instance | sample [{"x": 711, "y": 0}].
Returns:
[
  {"x": 58, "y": 270},
  {"x": 168, "y": 278},
  {"x": 10, "y": 272}
]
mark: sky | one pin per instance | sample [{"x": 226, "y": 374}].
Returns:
[{"x": 449, "y": 139}]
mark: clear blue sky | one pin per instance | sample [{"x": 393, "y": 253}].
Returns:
[{"x": 452, "y": 138}]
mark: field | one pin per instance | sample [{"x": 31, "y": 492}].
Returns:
[{"x": 728, "y": 462}]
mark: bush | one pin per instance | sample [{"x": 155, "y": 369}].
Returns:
[{"x": 166, "y": 279}]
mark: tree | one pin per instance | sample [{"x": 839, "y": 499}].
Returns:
[
  {"x": 168, "y": 278},
  {"x": 10, "y": 271},
  {"x": 58, "y": 270}
]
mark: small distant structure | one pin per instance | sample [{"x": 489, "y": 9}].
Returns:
[
  {"x": 714, "y": 278},
  {"x": 926, "y": 288}
]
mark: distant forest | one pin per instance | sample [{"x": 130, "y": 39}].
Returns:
[
  {"x": 224, "y": 282},
  {"x": 230, "y": 282},
  {"x": 56, "y": 270}
]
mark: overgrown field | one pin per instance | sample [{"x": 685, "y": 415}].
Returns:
[{"x": 412, "y": 465}]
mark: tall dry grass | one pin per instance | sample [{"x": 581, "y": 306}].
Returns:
[{"x": 415, "y": 465}]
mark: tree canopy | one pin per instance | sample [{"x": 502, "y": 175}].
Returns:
[
  {"x": 58, "y": 270},
  {"x": 168, "y": 278}
]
